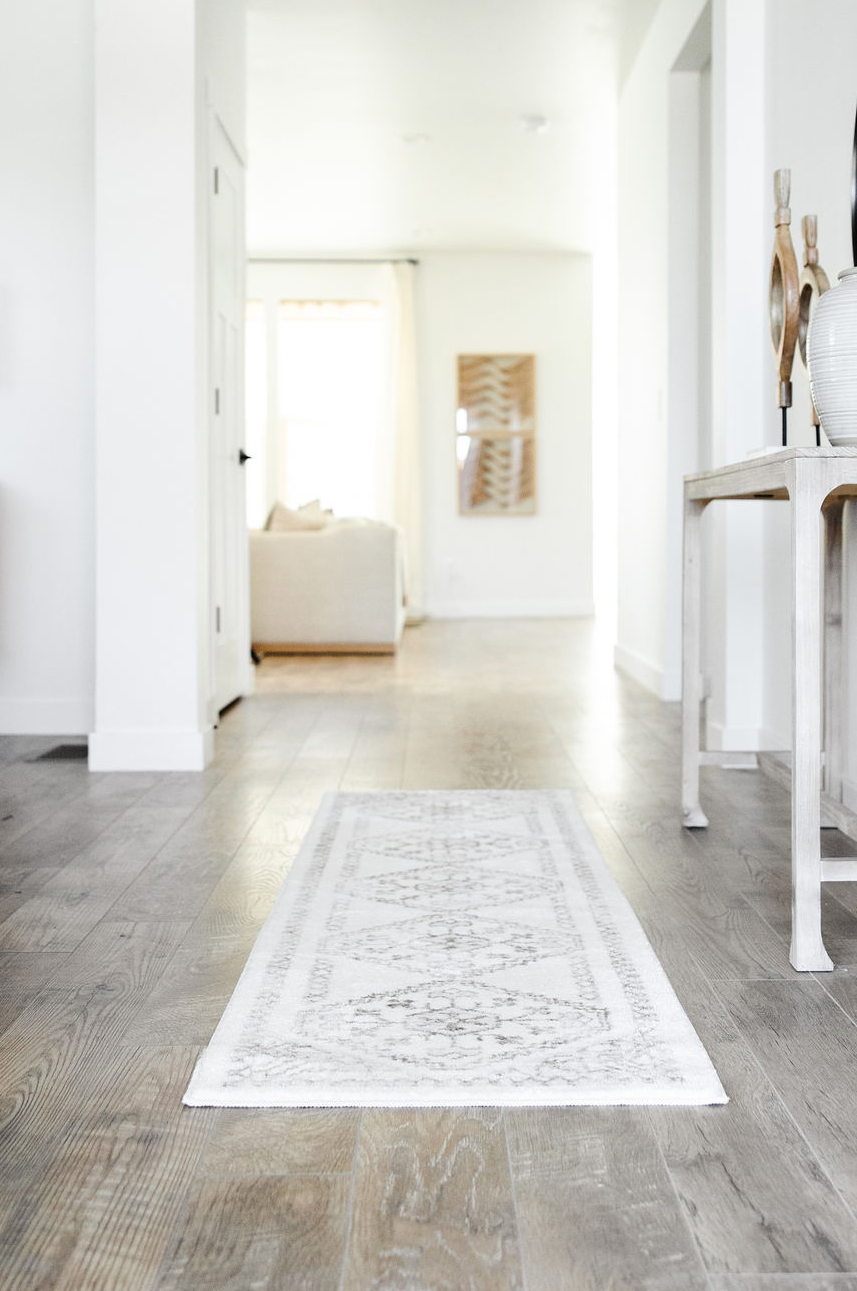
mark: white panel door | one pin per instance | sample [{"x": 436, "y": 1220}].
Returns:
[{"x": 230, "y": 616}]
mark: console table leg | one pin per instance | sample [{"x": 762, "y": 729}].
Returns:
[
  {"x": 692, "y": 814},
  {"x": 807, "y": 948},
  {"x": 833, "y": 646}
]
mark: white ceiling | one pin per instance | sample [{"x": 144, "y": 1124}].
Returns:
[{"x": 334, "y": 85}]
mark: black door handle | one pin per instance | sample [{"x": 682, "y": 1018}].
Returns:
[{"x": 242, "y": 457}]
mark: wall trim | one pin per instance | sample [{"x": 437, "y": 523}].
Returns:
[
  {"x": 46, "y": 716},
  {"x": 665, "y": 684},
  {"x": 511, "y": 609},
  {"x": 150, "y": 750},
  {"x": 771, "y": 741},
  {"x": 746, "y": 739}
]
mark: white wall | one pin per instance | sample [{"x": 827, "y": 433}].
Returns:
[
  {"x": 659, "y": 375},
  {"x": 472, "y": 302},
  {"x": 643, "y": 448},
  {"x": 152, "y": 122},
  {"x": 154, "y": 99},
  {"x": 812, "y": 134},
  {"x": 46, "y": 368}
]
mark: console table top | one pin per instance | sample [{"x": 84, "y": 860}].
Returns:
[{"x": 766, "y": 475}]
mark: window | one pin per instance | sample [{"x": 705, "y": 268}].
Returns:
[{"x": 322, "y": 441}]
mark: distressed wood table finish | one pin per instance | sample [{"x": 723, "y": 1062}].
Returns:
[{"x": 815, "y": 482}]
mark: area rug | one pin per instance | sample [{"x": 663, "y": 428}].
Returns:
[{"x": 451, "y": 949}]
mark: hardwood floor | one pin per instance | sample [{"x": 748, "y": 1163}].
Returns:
[{"x": 128, "y": 904}]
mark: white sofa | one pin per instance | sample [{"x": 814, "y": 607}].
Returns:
[{"x": 337, "y": 589}]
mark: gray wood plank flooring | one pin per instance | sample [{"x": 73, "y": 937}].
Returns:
[{"x": 128, "y": 905}]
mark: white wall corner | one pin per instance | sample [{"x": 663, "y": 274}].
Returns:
[
  {"x": 665, "y": 683},
  {"x": 150, "y": 750}
]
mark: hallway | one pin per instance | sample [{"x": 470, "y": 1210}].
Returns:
[{"x": 128, "y": 904}]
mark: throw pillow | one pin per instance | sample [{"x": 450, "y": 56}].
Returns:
[
  {"x": 314, "y": 511},
  {"x": 283, "y": 519}
]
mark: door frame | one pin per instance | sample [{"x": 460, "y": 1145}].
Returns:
[{"x": 218, "y": 137}]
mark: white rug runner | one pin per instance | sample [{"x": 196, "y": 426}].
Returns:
[{"x": 440, "y": 948}]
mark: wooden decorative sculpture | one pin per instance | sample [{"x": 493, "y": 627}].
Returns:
[
  {"x": 813, "y": 282},
  {"x": 784, "y": 295}
]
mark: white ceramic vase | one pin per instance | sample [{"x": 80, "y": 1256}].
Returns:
[{"x": 831, "y": 360}]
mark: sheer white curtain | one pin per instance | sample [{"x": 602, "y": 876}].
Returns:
[{"x": 399, "y": 443}]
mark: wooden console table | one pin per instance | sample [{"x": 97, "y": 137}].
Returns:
[{"x": 815, "y": 482}]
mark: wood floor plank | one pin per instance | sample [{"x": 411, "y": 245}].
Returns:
[
  {"x": 596, "y": 1205},
  {"x": 842, "y": 987},
  {"x": 177, "y": 882},
  {"x": 60, "y": 837},
  {"x": 28, "y": 970},
  {"x": 53, "y": 1057},
  {"x": 807, "y": 1050},
  {"x": 36, "y": 796},
  {"x": 71, "y": 903},
  {"x": 756, "y": 1196},
  {"x": 335, "y": 733},
  {"x": 271, "y": 1234},
  {"x": 242, "y": 899},
  {"x": 294, "y": 1141},
  {"x": 11, "y": 898},
  {"x": 787, "y": 1282},
  {"x": 102, "y": 1213},
  {"x": 378, "y": 755},
  {"x": 432, "y": 1203},
  {"x": 290, "y": 809},
  {"x": 11, "y": 1008},
  {"x": 130, "y": 955},
  {"x": 186, "y": 1004},
  {"x": 724, "y": 934}
]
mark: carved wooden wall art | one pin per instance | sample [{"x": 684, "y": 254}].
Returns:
[{"x": 496, "y": 434}]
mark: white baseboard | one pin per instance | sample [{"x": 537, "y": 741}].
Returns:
[
  {"x": 46, "y": 716},
  {"x": 774, "y": 741},
  {"x": 511, "y": 609},
  {"x": 748, "y": 739},
  {"x": 664, "y": 684},
  {"x": 150, "y": 750}
]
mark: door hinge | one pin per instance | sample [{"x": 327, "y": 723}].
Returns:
[
  {"x": 216, "y": 179},
  {"x": 217, "y": 401},
  {"x": 217, "y": 618}
]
